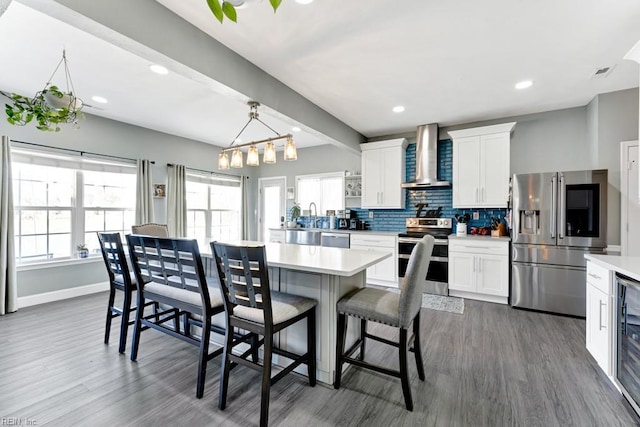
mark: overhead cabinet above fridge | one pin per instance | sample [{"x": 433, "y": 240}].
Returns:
[{"x": 481, "y": 166}]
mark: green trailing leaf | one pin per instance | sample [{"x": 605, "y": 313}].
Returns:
[
  {"x": 275, "y": 4},
  {"x": 215, "y": 7},
  {"x": 229, "y": 11}
]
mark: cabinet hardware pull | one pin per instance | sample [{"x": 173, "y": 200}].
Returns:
[
  {"x": 600, "y": 327},
  {"x": 476, "y": 194},
  {"x": 595, "y": 276}
]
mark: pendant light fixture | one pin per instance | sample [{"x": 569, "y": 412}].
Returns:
[
  {"x": 269, "y": 156},
  {"x": 253, "y": 156},
  {"x": 290, "y": 152}
]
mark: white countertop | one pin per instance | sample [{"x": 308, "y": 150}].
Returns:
[
  {"x": 318, "y": 259},
  {"x": 336, "y": 230},
  {"x": 627, "y": 265},
  {"x": 477, "y": 237}
]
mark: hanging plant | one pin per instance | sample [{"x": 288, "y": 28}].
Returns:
[
  {"x": 228, "y": 9},
  {"x": 49, "y": 107}
]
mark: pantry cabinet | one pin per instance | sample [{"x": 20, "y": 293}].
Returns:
[
  {"x": 479, "y": 268},
  {"x": 481, "y": 167},
  {"x": 383, "y": 171}
]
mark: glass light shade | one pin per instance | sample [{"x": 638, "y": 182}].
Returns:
[
  {"x": 253, "y": 158},
  {"x": 269, "y": 153},
  {"x": 236, "y": 158},
  {"x": 223, "y": 161},
  {"x": 290, "y": 152}
]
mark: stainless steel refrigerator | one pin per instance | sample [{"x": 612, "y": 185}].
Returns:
[{"x": 557, "y": 217}]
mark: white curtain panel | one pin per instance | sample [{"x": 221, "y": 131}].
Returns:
[
  {"x": 8, "y": 280},
  {"x": 177, "y": 201},
  {"x": 244, "y": 209},
  {"x": 144, "y": 193}
]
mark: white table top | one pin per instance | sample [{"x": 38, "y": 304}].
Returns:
[
  {"x": 318, "y": 259},
  {"x": 627, "y": 265}
]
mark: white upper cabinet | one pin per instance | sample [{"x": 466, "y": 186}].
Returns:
[
  {"x": 481, "y": 167},
  {"x": 383, "y": 171}
]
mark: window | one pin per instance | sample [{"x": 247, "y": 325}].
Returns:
[
  {"x": 214, "y": 208},
  {"x": 325, "y": 190},
  {"x": 62, "y": 201}
]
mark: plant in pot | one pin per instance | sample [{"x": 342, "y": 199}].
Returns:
[
  {"x": 83, "y": 252},
  {"x": 49, "y": 107},
  {"x": 295, "y": 214}
]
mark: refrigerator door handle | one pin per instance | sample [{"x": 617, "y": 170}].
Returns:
[
  {"x": 554, "y": 210},
  {"x": 563, "y": 201}
]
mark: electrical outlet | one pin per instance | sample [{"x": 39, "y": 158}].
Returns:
[
  {"x": 370, "y": 214},
  {"x": 476, "y": 215}
]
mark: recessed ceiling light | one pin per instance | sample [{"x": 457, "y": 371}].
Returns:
[
  {"x": 524, "y": 84},
  {"x": 295, "y": 129},
  {"x": 304, "y": 1},
  {"x": 158, "y": 69},
  {"x": 398, "y": 109},
  {"x": 99, "y": 99}
]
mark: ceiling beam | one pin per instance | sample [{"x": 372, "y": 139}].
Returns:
[{"x": 148, "y": 29}]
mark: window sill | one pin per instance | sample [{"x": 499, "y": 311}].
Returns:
[{"x": 57, "y": 263}]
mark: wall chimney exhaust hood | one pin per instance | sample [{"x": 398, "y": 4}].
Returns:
[{"x": 426, "y": 159}]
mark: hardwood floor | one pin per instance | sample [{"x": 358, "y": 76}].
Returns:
[{"x": 492, "y": 366}]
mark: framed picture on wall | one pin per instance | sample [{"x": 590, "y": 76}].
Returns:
[
  {"x": 291, "y": 194},
  {"x": 159, "y": 191}
]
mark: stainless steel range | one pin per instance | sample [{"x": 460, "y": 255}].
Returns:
[{"x": 437, "y": 278}]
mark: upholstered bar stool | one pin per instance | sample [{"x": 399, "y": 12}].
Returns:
[
  {"x": 251, "y": 305},
  {"x": 390, "y": 308}
]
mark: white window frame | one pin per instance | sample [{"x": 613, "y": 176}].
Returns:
[
  {"x": 320, "y": 176},
  {"x": 78, "y": 164},
  {"x": 213, "y": 179}
]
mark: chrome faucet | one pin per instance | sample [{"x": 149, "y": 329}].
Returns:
[{"x": 315, "y": 214}]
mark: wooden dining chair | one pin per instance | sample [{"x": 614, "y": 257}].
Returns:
[
  {"x": 172, "y": 275},
  {"x": 400, "y": 310},
  {"x": 120, "y": 279},
  {"x": 251, "y": 305}
]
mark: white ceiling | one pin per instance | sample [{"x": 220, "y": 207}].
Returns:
[{"x": 447, "y": 62}]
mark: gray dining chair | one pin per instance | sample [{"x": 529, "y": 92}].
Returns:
[{"x": 390, "y": 308}]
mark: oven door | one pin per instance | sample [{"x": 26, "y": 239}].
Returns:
[{"x": 439, "y": 265}]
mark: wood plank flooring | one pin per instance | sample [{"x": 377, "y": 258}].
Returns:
[{"x": 491, "y": 366}]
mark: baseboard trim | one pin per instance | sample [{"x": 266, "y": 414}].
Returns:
[{"x": 61, "y": 294}]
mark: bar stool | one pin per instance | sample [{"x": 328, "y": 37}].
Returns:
[
  {"x": 390, "y": 308},
  {"x": 249, "y": 304}
]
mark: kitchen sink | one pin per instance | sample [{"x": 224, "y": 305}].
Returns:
[{"x": 303, "y": 237}]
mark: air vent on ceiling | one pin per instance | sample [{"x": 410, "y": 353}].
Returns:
[{"x": 602, "y": 72}]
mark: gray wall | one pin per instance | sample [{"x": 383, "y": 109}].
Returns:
[
  {"x": 576, "y": 138},
  {"x": 571, "y": 139},
  {"x": 114, "y": 138},
  {"x": 617, "y": 121}
]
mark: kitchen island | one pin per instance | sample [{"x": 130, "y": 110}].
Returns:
[{"x": 324, "y": 274}]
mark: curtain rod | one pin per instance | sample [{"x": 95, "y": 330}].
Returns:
[
  {"x": 82, "y": 153},
  {"x": 209, "y": 172}
]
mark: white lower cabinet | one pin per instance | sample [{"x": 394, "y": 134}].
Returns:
[
  {"x": 479, "y": 269},
  {"x": 385, "y": 272},
  {"x": 599, "y": 339}
]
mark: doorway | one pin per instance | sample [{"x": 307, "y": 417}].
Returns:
[
  {"x": 629, "y": 199},
  {"x": 272, "y": 204}
]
